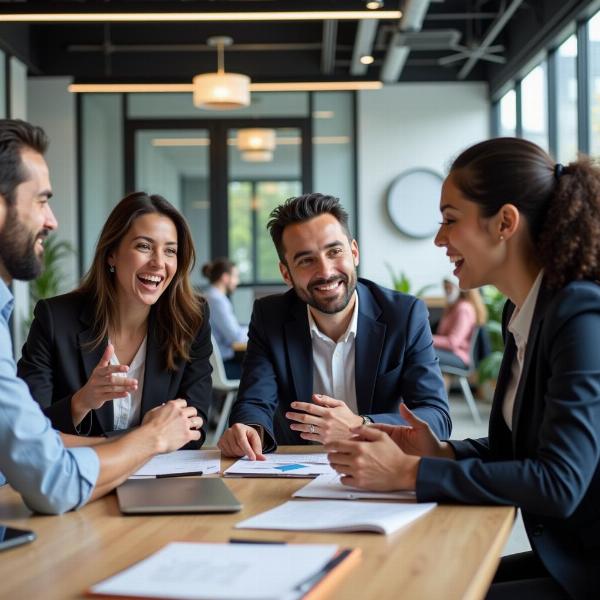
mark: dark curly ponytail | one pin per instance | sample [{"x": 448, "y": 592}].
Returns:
[{"x": 561, "y": 206}]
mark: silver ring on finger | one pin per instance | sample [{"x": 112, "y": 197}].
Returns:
[{"x": 311, "y": 429}]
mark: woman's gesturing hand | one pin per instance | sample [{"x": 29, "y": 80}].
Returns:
[
  {"x": 106, "y": 382},
  {"x": 416, "y": 438}
]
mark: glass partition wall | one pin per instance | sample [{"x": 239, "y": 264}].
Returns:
[{"x": 161, "y": 144}]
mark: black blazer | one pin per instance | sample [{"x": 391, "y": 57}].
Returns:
[
  {"x": 548, "y": 464},
  {"x": 395, "y": 362},
  {"x": 57, "y": 361}
]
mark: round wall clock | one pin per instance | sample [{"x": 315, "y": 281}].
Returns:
[{"x": 413, "y": 202}]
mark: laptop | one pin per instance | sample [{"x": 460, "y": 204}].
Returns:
[{"x": 176, "y": 495}]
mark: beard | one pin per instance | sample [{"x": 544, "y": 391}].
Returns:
[
  {"x": 332, "y": 305},
  {"x": 17, "y": 248}
]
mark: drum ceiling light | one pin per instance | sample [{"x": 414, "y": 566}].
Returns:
[
  {"x": 221, "y": 90},
  {"x": 256, "y": 144}
]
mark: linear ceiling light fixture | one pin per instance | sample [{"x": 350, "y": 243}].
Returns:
[
  {"x": 221, "y": 90},
  {"x": 182, "y": 88},
  {"x": 140, "y": 17}
]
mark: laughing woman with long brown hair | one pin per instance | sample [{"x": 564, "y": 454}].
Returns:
[{"x": 133, "y": 335}]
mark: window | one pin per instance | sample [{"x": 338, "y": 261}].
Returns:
[
  {"x": 534, "y": 106},
  {"x": 594, "y": 83},
  {"x": 255, "y": 188},
  {"x": 566, "y": 100},
  {"x": 508, "y": 114}
]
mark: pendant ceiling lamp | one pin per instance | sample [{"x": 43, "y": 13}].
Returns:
[
  {"x": 256, "y": 144},
  {"x": 221, "y": 90}
]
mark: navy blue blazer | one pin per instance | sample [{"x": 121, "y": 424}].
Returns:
[
  {"x": 548, "y": 464},
  {"x": 395, "y": 362},
  {"x": 57, "y": 360}
]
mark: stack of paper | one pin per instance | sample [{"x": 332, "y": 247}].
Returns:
[
  {"x": 182, "y": 461},
  {"x": 330, "y": 486},
  {"x": 281, "y": 465},
  {"x": 338, "y": 515},
  {"x": 229, "y": 571}
]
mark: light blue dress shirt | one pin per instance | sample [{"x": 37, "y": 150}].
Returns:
[
  {"x": 223, "y": 322},
  {"x": 49, "y": 477}
]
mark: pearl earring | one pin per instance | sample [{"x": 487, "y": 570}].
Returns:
[
  {"x": 111, "y": 268},
  {"x": 501, "y": 239}
]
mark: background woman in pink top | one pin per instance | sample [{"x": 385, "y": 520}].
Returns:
[{"x": 464, "y": 311}]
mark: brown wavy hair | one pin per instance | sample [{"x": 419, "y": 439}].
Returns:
[
  {"x": 561, "y": 204},
  {"x": 179, "y": 311}
]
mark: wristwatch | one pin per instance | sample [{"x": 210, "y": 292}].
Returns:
[{"x": 366, "y": 420}]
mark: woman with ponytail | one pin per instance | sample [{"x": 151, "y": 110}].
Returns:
[{"x": 513, "y": 218}]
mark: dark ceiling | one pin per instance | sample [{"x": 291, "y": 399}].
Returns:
[{"x": 456, "y": 40}]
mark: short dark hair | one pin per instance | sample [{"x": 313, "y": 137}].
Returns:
[
  {"x": 215, "y": 269},
  {"x": 300, "y": 209},
  {"x": 16, "y": 135}
]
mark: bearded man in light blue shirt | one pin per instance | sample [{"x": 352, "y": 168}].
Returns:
[{"x": 56, "y": 472}]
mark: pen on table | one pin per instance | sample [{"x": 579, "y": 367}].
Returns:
[
  {"x": 243, "y": 541},
  {"x": 187, "y": 474},
  {"x": 312, "y": 580}
]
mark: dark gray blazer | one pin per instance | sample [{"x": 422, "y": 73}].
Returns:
[
  {"x": 57, "y": 361},
  {"x": 548, "y": 464},
  {"x": 395, "y": 362}
]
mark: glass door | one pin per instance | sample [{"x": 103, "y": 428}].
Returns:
[
  {"x": 256, "y": 184},
  {"x": 175, "y": 163}
]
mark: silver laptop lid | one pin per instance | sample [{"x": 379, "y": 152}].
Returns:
[{"x": 176, "y": 495}]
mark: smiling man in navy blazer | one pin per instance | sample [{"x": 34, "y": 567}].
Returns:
[{"x": 334, "y": 352}]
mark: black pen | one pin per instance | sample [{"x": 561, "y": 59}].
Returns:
[
  {"x": 242, "y": 541},
  {"x": 188, "y": 474},
  {"x": 304, "y": 586}
]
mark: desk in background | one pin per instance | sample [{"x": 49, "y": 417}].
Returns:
[{"x": 450, "y": 553}]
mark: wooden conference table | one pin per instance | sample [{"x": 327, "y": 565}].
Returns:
[{"x": 452, "y": 552}]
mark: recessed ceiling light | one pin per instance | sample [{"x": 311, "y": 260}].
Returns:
[
  {"x": 367, "y": 60},
  {"x": 374, "y": 4},
  {"x": 323, "y": 114}
]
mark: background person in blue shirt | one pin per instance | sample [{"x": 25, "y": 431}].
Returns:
[
  {"x": 55, "y": 472},
  {"x": 224, "y": 277}
]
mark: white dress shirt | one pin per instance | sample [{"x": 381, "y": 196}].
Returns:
[
  {"x": 333, "y": 363},
  {"x": 127, "y": 411},
  {"x": 519, "y": 325}
]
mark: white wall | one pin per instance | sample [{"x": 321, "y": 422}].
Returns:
[
  {"x": 52, "y": 107},
  {"x": 402, "y": 127}
]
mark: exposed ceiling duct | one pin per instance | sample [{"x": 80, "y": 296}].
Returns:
[
  {"x": 413, "y": 15},
  {"x": 363, "y": 46}
]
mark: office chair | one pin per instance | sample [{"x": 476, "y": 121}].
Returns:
[
  {"x": 221, "y": 383},
  {"x": 463, "y": 375}
]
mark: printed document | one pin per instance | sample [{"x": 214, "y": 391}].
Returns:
[
  {"x": 185, "y": 570},
  {"x": 281, "y": 465},
  {"x": 181, "y": 461},
  {"x": 330, "y": 486},
  {"x": 338, "y": 515}
]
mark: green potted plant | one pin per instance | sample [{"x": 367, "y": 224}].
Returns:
[
  {"x": 48, "y": 284},
  {"x": 489, "y": 367},
  {"x": 401, "y": 283}
]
